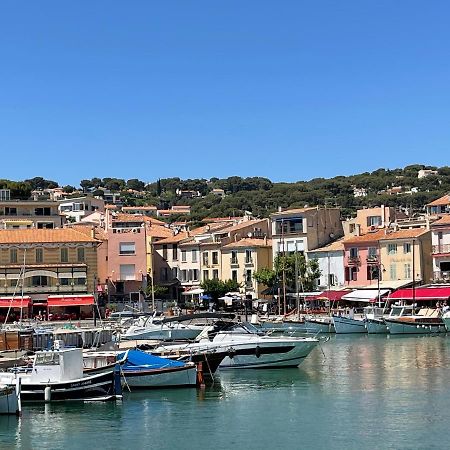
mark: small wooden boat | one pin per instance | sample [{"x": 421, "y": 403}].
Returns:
[{"x": 10, "y": 398}]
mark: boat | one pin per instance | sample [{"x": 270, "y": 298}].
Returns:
[
  {"x": 375, "y": 322},
  {"x": 319, "y": 324},
  {"x": 426, "y": 321},
  {"x": 57, "y": 375},
  {"x": 247, "y": 347},
  {"x": 139, "y": 369},
  {"x": 10, "y": 398},
  {"x": 349, "y": 325},
  {"x": 446, "y": 319}
]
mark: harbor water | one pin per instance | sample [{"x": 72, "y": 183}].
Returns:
[{"x": 353, "y": 392}]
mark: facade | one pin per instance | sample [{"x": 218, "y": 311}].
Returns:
[
  {"x": 304, "y": 229},
  {"x": 331, "y": 264},
  {"x": 440, "y": 237},
  {"x": 439, "y": 206},
  {"x": 241, "y": 259},
  {"x": 46, "y": 262},
  {"x": 20, "y": 214},
  {"x": 75, "y": 209}
]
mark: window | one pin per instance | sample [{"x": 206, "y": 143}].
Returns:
[
  {"x": 352, "y": 228},
  {"x": 407, "y": 247},
  {"x": 408, "y": 271},
  {"x": 205, "y": 274},
  {"x": 39, "y": 255},
  {"x": 215, "y": 258},
  {"x": 64, "y": 281},
  {"x": 248, "y": 256},
  {"x": 373, "y": 221},
  {"x": 174, "y": 273},
  {"x": 293, "y": 225},
  {"x": 13, "y": 256},
  {"x": 248, "y": 277},
  {"x": 183, "y": 275},
  {"x": 183, "y": 255},
  {"x": 80, "y": 254},
  {"x": 215, "y": 274},
  {"x": 205, "y": 258},
  {"x": 127, "y": 272},
  {"x": 163, "y": 273},
  {"x": 372, "y": 272},
  {"x": 372, "y": 253},
  {"x": 174, "y": 252},
  {"x": 10, "y": 211},
  {"x": 45, "y": 225},
  {"x": 127, "y": 248},
  {"x": 194, "y": 255},
  {"x": 392, "y": 249},
  {"x": 39, "y": 281},
  {"x": 354, "y": 252},
  {"x": 42, "y": 212},
  {"x": 351, "y": 274},
  {"x": 64, "y": 254},
  {"x": 164, "y": 249},
  {"x": 80, "y": 281},
  {"x": 393, "y": 271},
  {"x": 234, "y": 275},
  {"x": 234, "y": 258},
  {"x": 331, "y": 279},
  {"x": 195, "y": 274}
]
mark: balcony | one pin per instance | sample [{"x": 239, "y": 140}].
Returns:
[
  {"x": 354, "y": 261},
  {"x": 440, "y": 249},
  {"x": 249, "y": 262},
  {"x": 46, "y": 289},
  {"x": 234, "y": 262},
  {"x": 372, "y": 259},
  {"x": 441, "y": 276}
]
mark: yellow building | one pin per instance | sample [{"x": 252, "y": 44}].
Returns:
[{"x": 241, "y": 259}]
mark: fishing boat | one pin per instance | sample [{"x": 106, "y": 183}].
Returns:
[
  {"x": 10, "y": 398},
  {"x": 139, "y": 369},
  {"x": 57, "y": 375},
  {"x": 426, "y": 321},
  {"x": 319, "y": 324},
  {"x": 349, "y": 325}
]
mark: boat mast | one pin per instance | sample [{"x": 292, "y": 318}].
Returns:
[
  {"x": 22, "y": 283},
  {"x": 296, "y": 282}
]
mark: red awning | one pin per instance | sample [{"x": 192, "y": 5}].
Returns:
[
  {"x": 329, "y": 295},
  {"x": 70, "y": 300},
  {"x": 16, "y": 302},
  {"x": 421, "y": 294}
]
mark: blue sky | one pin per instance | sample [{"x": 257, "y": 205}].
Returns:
[{"x": 288, "y": 90}]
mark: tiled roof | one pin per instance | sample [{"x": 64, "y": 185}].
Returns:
[
  {"x": 444, "y": 220},
  {"x": 174, "y": 239},
  {"x": 333, "y": 247},
  {"x": 249, "y": 242},
  {"x": 99, "y": 233},
  {"x": 244, "y": 224},
  {"x": 445, "y": 200},
  {"x": 404, "y": 234},
  {"x": 142, "y": 208},
  {"x": 386, "y": 235},
  {"x": 293, "y": 211},
  {"x": 33, "y": 235},
  {"x": 136, "y": 218}
]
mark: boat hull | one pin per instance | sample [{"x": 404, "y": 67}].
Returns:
[
  {"x": 161, "y": 334},
  {"x": 345, "y": 325},
  {"x": 161, "y": 378},
  {"x": 10, "y": 400},
  {"x": 402, "y": 327},
  {"x": 446, "y": 322},
  {"x": 269, "y": 356},
  {"x": 376, "y": 326},
  {"x": 318, "y": 326}
]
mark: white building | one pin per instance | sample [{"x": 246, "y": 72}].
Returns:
[{"x": 77, "y": 208}]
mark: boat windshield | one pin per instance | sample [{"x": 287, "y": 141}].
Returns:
[
  {"x": 401, "y": 311},
  {"x": 47, "y": 359}
]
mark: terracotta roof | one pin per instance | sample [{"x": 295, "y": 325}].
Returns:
[
  {"x": 110, "y": 207},
  {"x": 293, "y": 211},
  {"x": 136, "y": 218},
  {"x": 32, "y": 235},
  {"x": 99, "y": 233},
  {"x": 174, "y": 239},
  {"x": 333, "y": 247},
  {"x": 442, "y": 201},
  {"x": 385, "y": 235},
  {"x": 244, "y": 224},
  {"x": 159, "y": 231},
  {"x": 444, "y": 220},
  {"x": 142, "y": 208},
  {"x": 249, "y": 242}
]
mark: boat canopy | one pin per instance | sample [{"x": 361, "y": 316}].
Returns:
[
  {"x": 422, "y": 294},
  {"x": 70, "y": 300},
  {"x": 139, "y": 360},
  {"x": 364, "y": 295}
]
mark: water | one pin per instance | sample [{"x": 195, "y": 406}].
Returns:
[{"x": 366, "y": 392}]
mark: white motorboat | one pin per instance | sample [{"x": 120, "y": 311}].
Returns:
[
  {"x": 10, "y": 398},
  {"x": 248, "y": 348},
  {"x": 58, "y": 375}
]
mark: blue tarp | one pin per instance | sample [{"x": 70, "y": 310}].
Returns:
[{"x": 138, "y": 359}]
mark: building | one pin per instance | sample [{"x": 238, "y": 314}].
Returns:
[
  {"x": 439, "y": 206},
  {"x": 148, "y": 210},
  {"x": 19, "y": 214},
  {"x": 241, "y": 259},
  {"x": 426, "y": 173},
  {"x": 304, "y": 229},
  {"x": 331, "y": 264},
  {"x": 76, "y": 209},
  {"x": 45, "y": 263},
  {"x": 218, "y": 192},
  {"x": 440, "y": 237}
]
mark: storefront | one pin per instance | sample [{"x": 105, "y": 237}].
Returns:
[
  {"x": 15, "y": 308},
  {"x": 65, "y": 307}
]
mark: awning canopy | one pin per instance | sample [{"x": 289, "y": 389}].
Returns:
[
  {"x": 333, "y": 296},
  {"x": 196, "y": 291},
  {"x": 70, "y": 300},
  {"x": 14, "y": 302},
  {"x": 364, "y": 295},
  {"x": 422, "y": 294}
]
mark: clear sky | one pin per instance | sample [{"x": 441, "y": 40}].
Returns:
[{"x": 289, "y": 90}]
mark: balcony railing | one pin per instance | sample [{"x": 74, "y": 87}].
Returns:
[
  {"x": 372, "y": 259},
  {"x": 354, "y": 261},
  {"x": 443, "y": 248},
  {"x": 249, "y": 262},
  {"x": 441, "y": 276},
  {"x": 234, "y": 262}
]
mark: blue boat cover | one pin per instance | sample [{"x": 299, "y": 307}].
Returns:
[{"x": 138, "y": 359}]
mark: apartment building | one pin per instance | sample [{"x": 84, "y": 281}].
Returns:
[{"x": 440, "y": 237}]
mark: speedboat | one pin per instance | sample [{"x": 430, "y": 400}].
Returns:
[
  {"x": 57, "y": 375},
  {"x": 10, "y": 398},
  {"x": 426, "y": 321},
  {"x": 248, "y": 347}
]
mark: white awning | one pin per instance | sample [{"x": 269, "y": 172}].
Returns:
[
  {"x": 364, "y": 295},
  {"x": 196, "y": 291}
]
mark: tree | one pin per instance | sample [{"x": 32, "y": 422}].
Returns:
[
  {"x": 69, "y": 189},
  {"x": 158, "y": 291},
  {"x": 218, "y": 288},
  {"x": 265, "y": 276},
  {"x": 308, "y": 271},
  {"x": 135, "y": 184}
]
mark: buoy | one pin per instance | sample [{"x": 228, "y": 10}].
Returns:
[{"x": 48, "y": 394}]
